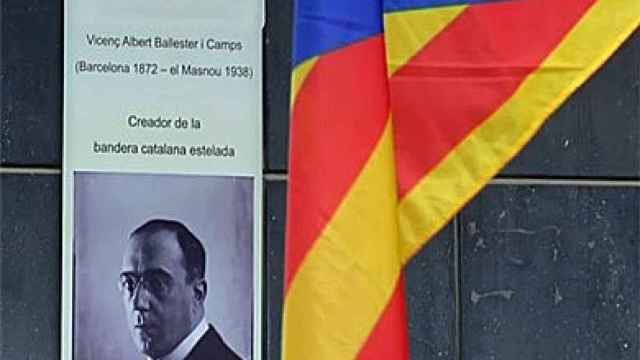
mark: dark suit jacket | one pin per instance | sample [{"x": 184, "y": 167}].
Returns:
[{"x": 212, "y": 347}]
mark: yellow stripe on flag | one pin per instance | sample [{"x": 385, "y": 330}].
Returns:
[
  {"x": 299, "y": 75},
  {"x": 348, "y": 277},
  {"x": 441, "y": 194},
  {"x": 403, "y": 38}
]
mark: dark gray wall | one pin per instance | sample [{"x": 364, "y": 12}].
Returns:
[{"x": 543, "y": 264}]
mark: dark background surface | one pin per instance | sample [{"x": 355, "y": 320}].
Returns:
[{"x": 543, "y": 264}]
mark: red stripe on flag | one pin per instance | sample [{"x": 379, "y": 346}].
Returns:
[
  {"x": 338, "y": 118},
  {"x": 467, "y": 72},
  {"x": 389, "y": 339}
]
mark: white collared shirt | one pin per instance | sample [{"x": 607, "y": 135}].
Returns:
[{"x": 184, "y": 348}]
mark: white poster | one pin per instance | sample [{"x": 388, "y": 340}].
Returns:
[{"x": 162, "y": 180}]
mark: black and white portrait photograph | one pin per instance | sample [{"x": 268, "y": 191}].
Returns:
[{"x": 163, "y": 266}]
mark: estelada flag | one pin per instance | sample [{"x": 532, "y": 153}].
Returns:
[{"x": 402, "y": 110}]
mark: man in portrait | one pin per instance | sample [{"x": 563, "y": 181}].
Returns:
[{"x": 163, "y": 288}]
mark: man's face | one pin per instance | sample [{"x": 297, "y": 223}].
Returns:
[{"x": 158, "y": 300}]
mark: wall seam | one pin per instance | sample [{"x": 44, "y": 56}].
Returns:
[
  {"x": 8, "y": 170},
  {"x": 529, "y": 181},
  {"x": 457, "y": 294}
]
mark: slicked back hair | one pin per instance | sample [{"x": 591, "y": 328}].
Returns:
[{"x": 193, "y": 254}]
